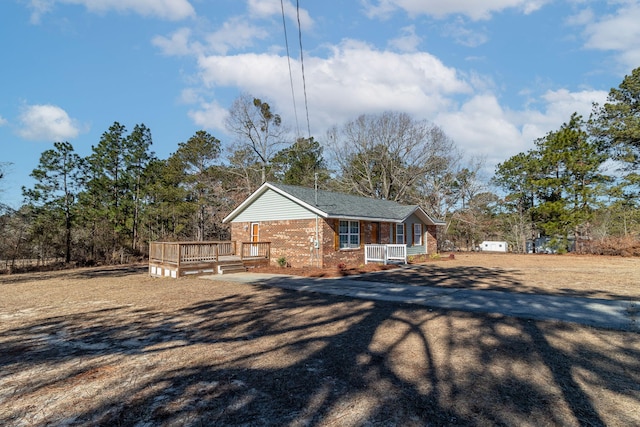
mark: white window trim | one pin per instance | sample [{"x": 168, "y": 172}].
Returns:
[
  {"x": 403, "y": 234},
  {"x": 348, "y": 234},
  {"x": 417, "y": 227}
]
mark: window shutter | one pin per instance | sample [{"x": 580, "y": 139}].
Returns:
[
  {"x": 336, "y": 235},
  {"x": 361, "y": 226}
]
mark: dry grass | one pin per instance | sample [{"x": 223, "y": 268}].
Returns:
[{"x": 115, "y": 347}]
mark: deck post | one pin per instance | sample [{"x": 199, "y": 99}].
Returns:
[{"x": 178, "y": 260}]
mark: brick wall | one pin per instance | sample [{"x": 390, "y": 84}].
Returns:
[
  {"x": 293, "y": 240},
  {"x": 333, "y": 257},
  {"x": 432, "y": 239}
]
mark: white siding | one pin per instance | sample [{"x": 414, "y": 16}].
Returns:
[
  {"x": 271, "y": 206},
  {"x": 411, "y": 249},
  {"x": 493, "y": 246}
]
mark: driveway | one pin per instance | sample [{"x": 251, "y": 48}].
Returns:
[{"x": 601, "y": 313}]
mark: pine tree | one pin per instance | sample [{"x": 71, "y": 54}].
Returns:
[
  {"x": 195, "y": 162},
  {"x": 53, "y": 195}
]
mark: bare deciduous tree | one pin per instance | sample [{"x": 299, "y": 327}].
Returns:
[
  {"x": 385, "y": 156},
  {"x": 256, "y": 127}
]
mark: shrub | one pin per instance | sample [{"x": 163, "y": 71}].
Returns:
[
  {"x": 342, "y": 266},
  {"x": 625, "y": 246},
  {"x": 282, "y": 261}
]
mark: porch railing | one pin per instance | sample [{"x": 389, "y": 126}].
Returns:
[
  {"x": 385, "y": 253},
  {"x": 254, "y": 250}
]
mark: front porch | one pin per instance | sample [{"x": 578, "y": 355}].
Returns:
[
  {"x": 385, "y": 253},
  {"x": 177, "y": 259}
]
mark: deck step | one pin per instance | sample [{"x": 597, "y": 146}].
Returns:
[{"x": 231, "y": 268}]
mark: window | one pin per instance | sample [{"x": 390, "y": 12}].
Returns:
[
  {"x": 349, "y": 234},
  {"x": 400, "y": 233},
  {"x": 417, "y": 234}
]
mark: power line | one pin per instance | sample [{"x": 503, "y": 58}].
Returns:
[
  {"x": 286, "y": 42},
  {"x": 304, "y": 81}
]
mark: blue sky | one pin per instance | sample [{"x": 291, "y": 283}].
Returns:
[{"x": 494, "y": 74}]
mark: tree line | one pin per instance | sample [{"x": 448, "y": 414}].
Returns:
[{"x": 579, "y": 184}]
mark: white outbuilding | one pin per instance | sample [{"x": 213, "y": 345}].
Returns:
[{"x": 493, "y": 246}]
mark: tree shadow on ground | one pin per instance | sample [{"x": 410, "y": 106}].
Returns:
[
  {"x": 471, "y": 277},
  {"x": 295, "y": 358},
  {"x": 80, "y": 273}
]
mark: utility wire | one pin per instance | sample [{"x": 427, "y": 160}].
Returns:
[
  {"x": 293, "y": 95},
  {"x": 304, "y": 81}
]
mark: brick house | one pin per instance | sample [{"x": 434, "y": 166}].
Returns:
[{"x": 323, "y": 228}]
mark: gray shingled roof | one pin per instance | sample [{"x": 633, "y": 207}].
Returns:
[{"x": 346, "y": 205}]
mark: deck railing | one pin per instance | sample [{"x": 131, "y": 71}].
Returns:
[
  {"x": 176, "y": 259},
  {"x": 253, "y": 250},
  {"x": 177, "y": 253},
  {"x": 385, "y": 253}
]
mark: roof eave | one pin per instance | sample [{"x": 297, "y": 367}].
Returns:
[
  {"x": 362, "y": 218},
  {"x": 424, "y": 216}
]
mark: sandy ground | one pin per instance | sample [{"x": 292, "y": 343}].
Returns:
[{"x": 112, "y": 346}]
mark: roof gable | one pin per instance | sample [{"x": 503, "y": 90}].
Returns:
[{"x": 328, "y": 204}]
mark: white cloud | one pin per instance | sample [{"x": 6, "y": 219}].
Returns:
[
  {"x": 557, "y": 108},
  {"x": 172, "y": 10},
  {"x": 474, "y": 9},
  {"x": 235, "y": 33},
  {"x": 178, "y": 43},
  {"x": 408, "y": 41},
  {"x": 3, "y": 121},
  {"x": 46, "y": 123},
  {"x": 618, "y": 32},
  {"x": 482, "y": 127},
  {"x": 210, "y": 116},
  {"x": 460, "y": 32},
  {"x": 583, "y": 17},
  {"x": 354, "y": 79},
  {"x": 269, "y": 8},
  {"x": 39, "y": 8},
  {"x": 190, "y": 96}
]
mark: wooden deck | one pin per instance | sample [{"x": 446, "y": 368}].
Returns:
[{"x": 177, "y": 259}]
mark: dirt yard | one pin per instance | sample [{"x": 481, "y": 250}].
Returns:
[{"x": 112, "y": 346}]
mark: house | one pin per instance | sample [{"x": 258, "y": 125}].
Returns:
[{"x": 324, "y": 229}]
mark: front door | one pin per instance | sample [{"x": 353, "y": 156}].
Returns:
[{"x": 255, "y": 238}]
